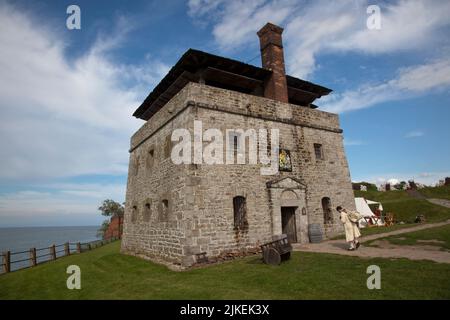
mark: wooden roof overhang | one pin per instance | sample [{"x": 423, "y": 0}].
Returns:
[{"x": 198, "y": 66}]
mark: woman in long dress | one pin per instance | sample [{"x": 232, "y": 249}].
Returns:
[{"x": 351, "y": 229}]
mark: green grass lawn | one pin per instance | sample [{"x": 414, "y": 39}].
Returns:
[
  {"x": 438, "y": 233},
  {"x": 107, "y": 274},
  {"x": 406, "y": 208},
  {"x": 436, "y": 192}
]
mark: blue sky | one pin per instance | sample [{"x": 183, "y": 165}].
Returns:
[{"x": 66, "y": 96}]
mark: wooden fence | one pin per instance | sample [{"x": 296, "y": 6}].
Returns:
[{"x": 34, "y": 256}]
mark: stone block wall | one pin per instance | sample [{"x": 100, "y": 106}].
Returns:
[{"x": 200, "y": 197}]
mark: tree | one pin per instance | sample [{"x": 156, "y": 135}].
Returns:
[
  {"x": 101, "y": 231},
  {"x": 110, "y": 208}
]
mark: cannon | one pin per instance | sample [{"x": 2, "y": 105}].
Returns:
[{"x": 276, "y": 251}]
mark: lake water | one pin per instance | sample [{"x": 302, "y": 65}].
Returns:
[{"x": 22, "y": 239}]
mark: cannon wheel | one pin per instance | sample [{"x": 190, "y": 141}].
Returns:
[{"x": 272, "y": 256}]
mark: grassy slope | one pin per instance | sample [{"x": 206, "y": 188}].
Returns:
[
  {"x": 406, "y": 208},
  {"x": 439, "y": 233},
  {"x": 436, "y": 192},
  {"x": 106, "y": 274}
]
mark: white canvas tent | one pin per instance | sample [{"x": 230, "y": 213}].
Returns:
[{"x": 362, "y": 206}]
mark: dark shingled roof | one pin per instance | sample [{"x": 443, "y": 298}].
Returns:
[{"x": 222, "y": 72}]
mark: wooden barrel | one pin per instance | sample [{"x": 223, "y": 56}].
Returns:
[{"x": 315, "y": 233}]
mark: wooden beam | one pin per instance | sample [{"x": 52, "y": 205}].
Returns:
[
  {"x": 172, "y": 90},
  {"x": 231, "y": 79},
  {"x": 302, "y": 96},
  {"x": 53, "y": 252},
  {"x": 33, "y": 257},
  {"x": 7, "y": 261}
]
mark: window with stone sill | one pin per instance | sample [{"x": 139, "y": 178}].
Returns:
[
  {"x": 164, "y": 210},
  {"x": 134, "y": 213},
  {"x": 147, "y": 211},
  {"x": 318, "y": 151},
  {"x": 240, "y": 213}
]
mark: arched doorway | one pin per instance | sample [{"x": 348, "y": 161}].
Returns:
[{"x": 289, "y": 211}]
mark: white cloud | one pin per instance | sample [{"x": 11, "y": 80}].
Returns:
[
  {"x": 427, "y": 178},
  {"x": 239, "y": 20},
  {"x": 404, "y": 25},
  {"x": 425, "y": 77},
  {"x": 201, "y": 7},
  {"x": 414, "y": 134},
  {"x": 409, "y": 82},
  {"x": 62, "y": 117},
  {"x": 323, "y": 26},
  {"x": 64, "y": 204},
  {"x": 320, "y": 26}
]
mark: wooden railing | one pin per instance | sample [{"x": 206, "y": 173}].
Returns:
[{"x": 36, "y": 256}]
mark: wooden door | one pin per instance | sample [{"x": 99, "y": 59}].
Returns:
[{"x": 288, "y": 223}]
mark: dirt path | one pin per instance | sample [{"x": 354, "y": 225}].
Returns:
[
  {"x": 415, "y": 194},
  {"x": 393, "y": 251},
  {"x": 440, "y": 202}
]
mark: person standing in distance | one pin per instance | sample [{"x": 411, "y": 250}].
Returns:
[{"x": 351, "y": 229}]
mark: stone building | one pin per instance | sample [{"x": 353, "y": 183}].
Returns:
[{"x": 176, "y": 211}]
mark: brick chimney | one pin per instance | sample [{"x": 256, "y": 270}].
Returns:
[{"x": 272, "y": 57}]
